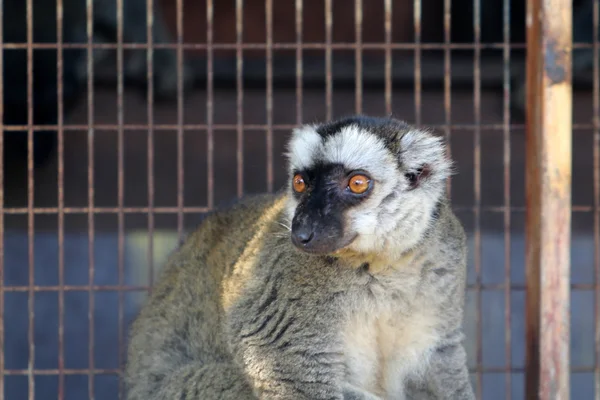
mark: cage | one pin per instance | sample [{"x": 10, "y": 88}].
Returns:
[{"x": 125, "y": 121}]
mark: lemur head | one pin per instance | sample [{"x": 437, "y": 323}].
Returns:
[{"x": 364, "y": 184}]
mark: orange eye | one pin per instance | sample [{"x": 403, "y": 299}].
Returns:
[
  {"x": 358, "y": 184},
  {"x": 299, "y": 184}
]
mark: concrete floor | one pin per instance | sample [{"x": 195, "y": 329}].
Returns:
[{"x": 104, "y": 322}]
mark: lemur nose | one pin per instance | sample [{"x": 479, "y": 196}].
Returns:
[{"x": 304, "y": 236}]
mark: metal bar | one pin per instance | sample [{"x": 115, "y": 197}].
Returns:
[
  {"x": 189, "y": 210},
  {"x": 77, "y": 288},
  {"x": 64, "y": 372},
  {"x": 447, "y": 82},
  {"x": 282, "y": 46},
  {"x": 596, "y": 122},
  {"x": 209, "y": 101},
  {"x": 269, "y": 105},
  {"x": 90, "y": 130},
  {"x": 180, "y": 121},
  {"x": 105, "y": 210},
  {"x": 30, "y": 215},
  {"x": 61, "y": 190},
  {"x": 548, "y": 197},
  {"x": 417, "y": 57},
  {"x": 239, "y": 29},
  {"x": 507, "y": 203},
  {"x": 2, "y": 344},
  {"x": 120, "y": 192},
  {"x": 388, "y": 56},
  {"x": 477, "y": 186},
  {"x": 195, "y": 210},
  {"x": 141, "y": 288},
  {"x": 299, "y": 38},
  {"x": 328, "y": 58},
  {"x": 257, "y": 127},
  {"x": 358, "y": 17},
  {"x": 52, "y": 372},
  {"x": 150, "y": 111}
]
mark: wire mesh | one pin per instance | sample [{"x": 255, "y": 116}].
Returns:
[{"x": 239, "y": 135}]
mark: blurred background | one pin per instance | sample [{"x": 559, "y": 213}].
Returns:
[{"x": 111, "y": 155}]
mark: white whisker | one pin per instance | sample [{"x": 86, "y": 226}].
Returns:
[{"x": 285, "y": 226}]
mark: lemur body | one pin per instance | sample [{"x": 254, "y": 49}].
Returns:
[{"x": 349, "y": 284}]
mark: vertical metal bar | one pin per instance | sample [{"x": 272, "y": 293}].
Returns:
[
  {"x": 209, "y": 99},
  {"x": 2, "y": 344},
  {"x": 269, "y": 105},
  {"x": 150, "y": 110},
  {"x": 358, "y": 17},
  {"x": 61, "y": 195},
  {"x": 328, "y": 58},
  {"x": 120, "y": 190},
  {"x": 90, "y": 100},
  {"x": 299, "y": 62},
  {"x": 239, "y": 29},
  {"x": 596, "y": 109},
  {"x": 30, "y": 214},
  {"x": 180, "y": 121},
  {"x": 507, "y": 210},
  {"x": 417, "y": 24},
  {"x": 477, "y": 183},
  {"x": 388, "y": 56},
  {"x": 447, "y": 79},
  {"x": 548, "y": 196}
]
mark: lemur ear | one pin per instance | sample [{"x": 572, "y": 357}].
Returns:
[
  {"x": 415, "y": 177},
  {"x": 424, "y": 156}
]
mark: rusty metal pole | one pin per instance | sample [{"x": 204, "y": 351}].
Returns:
[{"x": 548, "y": 191}]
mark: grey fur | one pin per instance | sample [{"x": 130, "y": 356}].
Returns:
[{"x": 241, "y": 313}]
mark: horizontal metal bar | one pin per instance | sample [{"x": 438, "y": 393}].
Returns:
[
  {"x": 188, "y": 210},
  {"x": 275, "y": 46},
  {"x": 138, "y": 288},
  {"x": 77, "y": 288},
  {"x": 46, "y": 372},
  {"x": 231, "y": 127},
  {"x": 254, "y": 127},
  {"x": 104, "y": 210}
]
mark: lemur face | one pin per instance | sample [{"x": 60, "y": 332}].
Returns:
[{"x": 356, "y": 181}]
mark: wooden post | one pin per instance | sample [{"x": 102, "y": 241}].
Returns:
[{"x": 548, "y": 192}]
